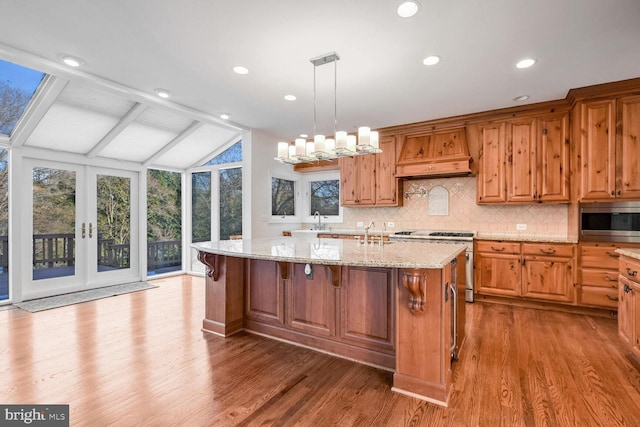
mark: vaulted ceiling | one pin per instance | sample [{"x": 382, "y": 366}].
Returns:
[{"x": 108, "y": 108}]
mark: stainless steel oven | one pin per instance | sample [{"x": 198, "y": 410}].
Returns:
[{"x": 610, "y": 222}]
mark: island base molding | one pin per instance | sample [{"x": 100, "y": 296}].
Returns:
[{"x": 392, "y": 318}]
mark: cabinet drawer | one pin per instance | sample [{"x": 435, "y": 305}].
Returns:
[
  {"x": 599, "y": 297},
  {"x": 599, "y": 278},
  {"x": 547, "y": 249},
  {"x": 629, "y": 268},
  {"x": 498, "y": 247},
  {"x": 599, "y": 255}
]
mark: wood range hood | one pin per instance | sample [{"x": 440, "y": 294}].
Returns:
[{"x": 435, "y": 154}]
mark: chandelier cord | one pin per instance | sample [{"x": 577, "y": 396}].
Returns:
[
  {"x": 314, "y": 100},
  {"x": 335, "y": 97}
]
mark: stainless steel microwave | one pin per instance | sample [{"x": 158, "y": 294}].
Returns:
[{"x": 610, "y": 222}]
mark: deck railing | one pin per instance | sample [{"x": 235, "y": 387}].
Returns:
[{"x": 58, "y": 250}]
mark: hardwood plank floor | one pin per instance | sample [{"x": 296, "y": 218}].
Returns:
[{"x": 141, "y": 359}]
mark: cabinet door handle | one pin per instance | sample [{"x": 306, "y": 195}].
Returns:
[
  {"x": 612, "y": 298},
  {"x": 613, "y": 255},
  {"x": 84, "y": 230},
  {"x": 611, "y": 279},
  {"x": 90, "y": 230},
  {"x": 631, "y": 272},
  {"x": 626, "y": 289},
  {"x": 498, "y": 250},
  {"x": 549, "y": 252}
]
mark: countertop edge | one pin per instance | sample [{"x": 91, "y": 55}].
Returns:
[{"x": 631, "y": 253}]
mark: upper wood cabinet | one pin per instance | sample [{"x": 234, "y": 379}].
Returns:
[
  {"x": 609, "y": 149},
  {"x": 524, "y": 160},
  {"x": 370, "y": 180}
]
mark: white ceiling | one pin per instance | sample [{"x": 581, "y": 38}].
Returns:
[{"x": 191, "y": 46}]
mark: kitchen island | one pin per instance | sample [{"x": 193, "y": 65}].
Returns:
[{"x": 392, "y": 306}]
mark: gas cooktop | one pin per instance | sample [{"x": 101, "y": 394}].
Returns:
[{"x": 430, "y": 234}]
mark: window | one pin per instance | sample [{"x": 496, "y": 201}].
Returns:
[
  {"x": 230, "y": 190},
  {"x": 325, "y": 197},
  {"x": 17, "y": 86},
  {"x": 283, "y": 197},
  {"x": 4, "y": 225},
  {"x": 295, "y": 198},
  {"x": 230, "y": 155},
  {"x": 200, "y": 206}
]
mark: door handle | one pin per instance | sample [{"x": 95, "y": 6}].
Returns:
[
  {"x": 90, "y": 230},
  {"x": 84, "y": 231}
]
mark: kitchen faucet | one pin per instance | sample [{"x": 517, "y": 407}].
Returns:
[
  {"x": 366, "y": 232},
  {"x": 319, "y": 226},
  {"x": 382, "y": 228}
]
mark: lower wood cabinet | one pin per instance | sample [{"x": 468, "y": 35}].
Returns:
[
  {"x": 598, "y": 274},
  {"x": 366, "y": 308},
  {"x": 352, "y": 314},
  {"x": 542, "y": 271},
  {"x": 629, "y": 304}
]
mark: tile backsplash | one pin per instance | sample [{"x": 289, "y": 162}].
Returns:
[{"x": 463, "y": 212}]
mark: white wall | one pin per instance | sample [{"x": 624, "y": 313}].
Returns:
[{"x": 263, "y": 151}]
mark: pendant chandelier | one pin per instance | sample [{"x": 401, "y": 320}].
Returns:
[{"x": 322, "y": 148}]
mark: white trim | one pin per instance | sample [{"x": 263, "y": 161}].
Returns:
[
  {"x": 60, "y": 156},
  {"x": 47, "y": 93},
  {"x": 122, "y": 124},
  {"x": 194, "y": 126}
]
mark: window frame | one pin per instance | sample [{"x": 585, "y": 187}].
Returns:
[{"x": 302, "y": 194}]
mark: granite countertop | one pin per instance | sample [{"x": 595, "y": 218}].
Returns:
[
  {"x": 631, "y": 253},
  {"x": 337, "y": 252},
  {"x": 522, "y": 237}
]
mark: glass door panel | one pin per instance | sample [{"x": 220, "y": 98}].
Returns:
[
  {"x": 114, "y": 222},
  {"x": 54, "y": 223}
]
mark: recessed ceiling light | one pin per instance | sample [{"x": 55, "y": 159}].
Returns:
[
  {"x": 521, "y": 98},
  {"x": 225, "y": 116},
  {"x": 304, "y": 135},
  {"x": 431, "y": 60},
  {"x": 162, "y": 93},
  {"x": 240, "y": 69},
  {"x": 290, "y": 97},
  {"x": 525, "y": 63},
  {"x": 408, "y": 8},
  {"x": 71, "y": 61}
]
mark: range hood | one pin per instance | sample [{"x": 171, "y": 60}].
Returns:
[{"x": 434, "y": 154}]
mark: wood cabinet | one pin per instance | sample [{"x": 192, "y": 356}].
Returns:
[
  {"x": 598, "y": 274},
  {"x": 609, "y": 149},
  {"x": 548, "y": 272},
  {"x": 370, "y": 179},
  {"x": 524, "y": 160},
  {"x": 358, "y": 180},
  {"x": 629, "y": 309},
  {"x": 491, "y": 178},
  {"x": 348, "y": 311},
  {"x": 541, "y": 271},
  {"x": 497, "y": 268}
]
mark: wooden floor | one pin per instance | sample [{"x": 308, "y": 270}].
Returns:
[{"x": 141, "y": 359}]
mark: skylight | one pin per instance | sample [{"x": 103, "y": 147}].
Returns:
[{"x": 17, "y": 86}]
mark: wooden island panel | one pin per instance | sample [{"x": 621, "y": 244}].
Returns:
[{"x": 389, "y": 316}]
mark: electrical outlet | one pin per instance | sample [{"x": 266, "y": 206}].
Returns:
[
  {"x": 391, "y": 224},
  {"x": 521, "y": 227},
  {"x": 360, "y": 224}
]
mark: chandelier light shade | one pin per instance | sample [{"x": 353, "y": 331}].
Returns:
[{"x": 321, "y": 147}]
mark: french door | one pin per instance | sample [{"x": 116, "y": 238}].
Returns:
[{"x": 83, "y": 228}]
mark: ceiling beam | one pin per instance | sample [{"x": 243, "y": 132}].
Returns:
[
  {"x": 57, "y": 69},
  {"x": 124, "y": 122},
  {"x": 175, "y": 141},
  {"x": 49, "y": 91}
]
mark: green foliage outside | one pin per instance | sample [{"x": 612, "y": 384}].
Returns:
[{"x": 164, "y": 201}]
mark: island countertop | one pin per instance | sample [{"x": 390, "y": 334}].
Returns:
[{"x": 337, "y": 251}]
